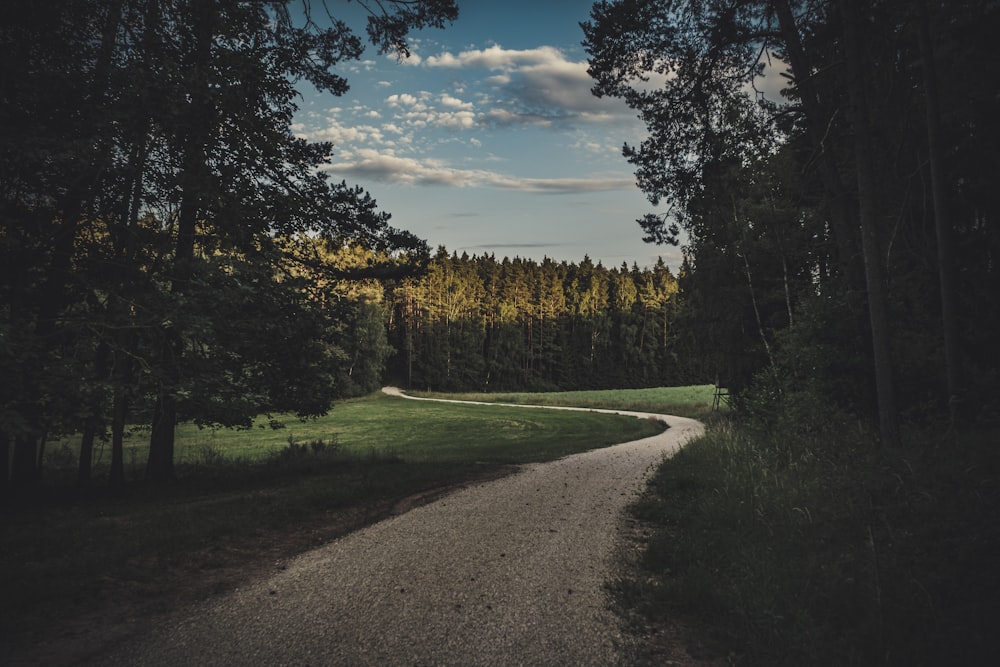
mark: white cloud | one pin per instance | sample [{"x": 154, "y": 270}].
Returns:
[
  {"x": 418, "y": 111},
  {"x": 398, "y": 100},
  {"x": 591, "y": 147},
  {"x": 454, "y": 103},
  {"x": 536, "y": 87},
  {"x": 380, "y": 166},
  {"x": 495, "y": 57},
  {"x": 459, "y": 120},
  {"x": 339, "y": 134},
  {"x": 501, "y": 116},
  {"x": 773, "y": 81}
]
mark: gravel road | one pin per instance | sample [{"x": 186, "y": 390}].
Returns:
[{"x": 507, "y": 572}]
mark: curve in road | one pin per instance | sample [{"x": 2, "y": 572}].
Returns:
[{"x": 507, "y": 572}]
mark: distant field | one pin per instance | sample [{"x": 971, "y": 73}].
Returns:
[
  {"x": 691, "y": 401},
  {"x": 408, "y": 430}
]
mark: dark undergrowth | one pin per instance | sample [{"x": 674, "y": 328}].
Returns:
[
  {"x": 70, "y": 554},
  {"x": 804, "y": 543}
]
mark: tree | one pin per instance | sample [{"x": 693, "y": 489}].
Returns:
[
  {"x": 179, "y": 112},
  {"x": 54, "y": 89},
  {"x": 867, "y": 212},
  {"x": 473, "y": 323},
  {"x": 704, "y": 113},
  {"x": 856, "y": 146}
]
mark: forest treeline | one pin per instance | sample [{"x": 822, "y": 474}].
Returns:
[{"x": 482, "y": 324}]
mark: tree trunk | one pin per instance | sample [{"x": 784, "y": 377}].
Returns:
[
  {"x": 116, "y": 478},
  {"x": 81, "y": 192},
  {"x": 877, "y": 307},
  {"x": 760, "y": 322},
  {"x": 4, "y": 463},
  {"x": 160, "y": 465},
  {"x": 24, "y": 464},
  {"x": 945, "y": 243},
  {"x": 86, "y": 454},
  {"x": 818, "y": 119},
  {"x": 194, "y": 179},
  {"x": 40, "y": 455},
  {"x": 95, "y": 419}
]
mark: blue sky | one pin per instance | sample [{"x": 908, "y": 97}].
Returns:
[{"x": 487, "y": 140}]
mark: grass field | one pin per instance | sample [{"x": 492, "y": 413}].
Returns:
[
  {"x": 410, "y": 431},
  {"x": 243, "y": 498},
  {"x": 692, "y": 401}
]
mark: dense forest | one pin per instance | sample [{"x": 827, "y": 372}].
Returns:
[
  {"x": 842, "y": 236},
  {"x": 160, "y": 218},
  {"x": 487, "y": 325},
  {"x": 841, "y": 233}
]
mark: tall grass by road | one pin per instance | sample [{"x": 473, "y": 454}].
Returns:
[{"x": 804, "y": 543}]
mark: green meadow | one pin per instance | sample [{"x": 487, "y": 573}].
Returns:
[
  {"x": 691, "y": 401},
  {"x": 404, "y": 430}
]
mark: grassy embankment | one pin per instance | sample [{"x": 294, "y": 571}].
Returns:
[
  {"x": 244, "y": 497},
  {"x": 803, "y": 543}
]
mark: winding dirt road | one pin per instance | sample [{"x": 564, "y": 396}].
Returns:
[{"x": 507, "y": 572}]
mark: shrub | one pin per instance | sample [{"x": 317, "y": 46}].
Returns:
[
  {"x": 310, "y": 451},
  {"x": 805, "y": 544}
]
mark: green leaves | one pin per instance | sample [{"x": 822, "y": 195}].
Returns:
[
  {"x": 475, "y": 323},
  {"x": 147, "y": 164}
]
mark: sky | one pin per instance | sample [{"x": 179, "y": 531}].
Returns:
[{"x": 488, "y": 140}]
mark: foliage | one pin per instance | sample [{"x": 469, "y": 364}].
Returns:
[
  {"x": 822, "y": 225},
  {"x": 476, "y": 323},
  {"x": 150, "y": 189},
  {"x": 801, "y": 544}
]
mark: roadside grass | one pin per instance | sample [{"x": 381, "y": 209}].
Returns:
[
  {"x": 808, "y": 545},
  {"x": 411, "y": 430},
  {"x": 244, "y": 497},
  {"x": 693, "y": 401}
]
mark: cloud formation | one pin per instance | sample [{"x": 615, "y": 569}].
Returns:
[
  {"x": 538, "y": 86},
  {"x": 413, "y": 129},
  {"x": 385, "y": 167}
]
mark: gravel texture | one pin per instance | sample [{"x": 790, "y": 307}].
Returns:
[{"x": 508, "y": 572}]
